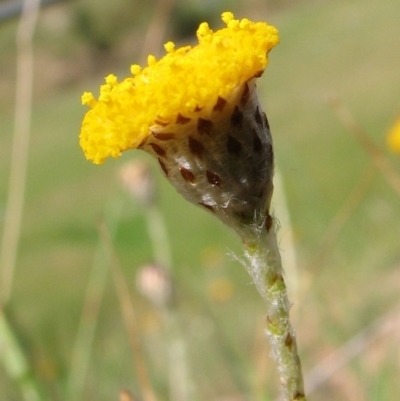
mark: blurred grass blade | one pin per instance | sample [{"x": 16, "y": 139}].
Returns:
[
  {"x": 14, "y": 361},
  {"x": 377, "y": 156},
  {"x": 80, "y": 360},
  {"x": 157, "y": 27},
  {"x": 289, "y": 256},
  {"x": 128, "y": 314},
  {"x": 12, "y": 9},
  {"x": 324, "y": 370},
  {"x": 20, "y": 148}
]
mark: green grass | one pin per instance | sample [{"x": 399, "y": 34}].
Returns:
[{"x": 345, "y": 47}]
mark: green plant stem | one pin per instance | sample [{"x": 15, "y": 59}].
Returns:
[
  {"x": 15, "y": 361},
  {"x": 159, "y": 237},
  {"x": 265, "y": 267}
]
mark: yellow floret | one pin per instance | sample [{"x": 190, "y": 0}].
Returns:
[
  {"x": 393, "y": 138},
  {"x": 184, "y": 81}
]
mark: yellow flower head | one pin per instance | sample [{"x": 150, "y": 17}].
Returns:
[
  {"x": 184, "y": 82},
  {"x": 393, "y": 138}
]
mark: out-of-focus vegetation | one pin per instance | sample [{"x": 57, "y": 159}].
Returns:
[{"x": 345, "y": 217}]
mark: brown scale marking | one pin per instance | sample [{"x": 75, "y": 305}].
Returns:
[
  {"x": 237, "y": 117},
  {"x": 219, "y": 106},
  {"x": 233, "y": 145},
  {"x": 289, "y": 340},
  {"x": 268, "y": 222},
  {"x": 163, "y": 136},
  {"x": 197, "y": 109},
  {"x": 245, "y": 95},
  {"x": 257, "y": 117},
  {"x": 161, "y": 122},
  {"x": 163, "y": 166},
  {"x": 204, "y": 126},
  {"x": 196, "y": 147},
  {"x": 213, "y": 179},
  {"x": 258, "y": 74},
  {"x": 210, "y": 208},
  {"x": 257, "y": 144},
  {"x": 277, "y": 277},
  {"x": 180, "y": 119},
  {"x": 158, "y": 149},
  {"x": 266, "y": 122},
  {"x": 299, "y": 396},
  {"x": 187, "y": 174}
]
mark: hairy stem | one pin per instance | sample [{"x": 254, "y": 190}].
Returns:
[{"x": 265, "y": 267}]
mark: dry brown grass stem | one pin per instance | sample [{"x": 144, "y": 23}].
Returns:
[
  {"x": 383, "y": 326},
  {"x": 376, "y": 154},
  {"x": 157, "y": 27},
  {"x": 286, "y": 242},
  {"x": 20, "y": 147},
  {"x": 342, "y": 216},
  {"x": 126, "y": 395},
  {"x": 128, "y": 315},
  {"x": 181, "y": 385},
  {"x": 98, "y": 278}
]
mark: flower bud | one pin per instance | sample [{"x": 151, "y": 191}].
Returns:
[
  {"x": 137, "y": 178},
  {"x": 221, "y": 158},
  {"x": 154, "y": 283}
]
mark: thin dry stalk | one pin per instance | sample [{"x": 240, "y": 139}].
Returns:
[
  {"x": 352, "y": 348},
  {"x": 126, "y": 395},
  {"x": 180, "y": 383},
  {"x": 128, "y": 314},
  {"x": 19, "y": 153},
  {"x": 83, "y": 345},
  {"x": 286, "y": 243},
  {"x": 342, "y": 216},
  {"x": 157, "y": 27},
  {"x": 377, "y": 156},
  {"x": 335, "y": 227}
]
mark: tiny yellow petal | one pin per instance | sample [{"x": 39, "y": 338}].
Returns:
[
  {"x": 203, "y": 30},
  {"x": 105, "y": 92},
  {"x": 88, "y": 99},
  {"x": 136, "y": 69},
  {"x": 151, "y": 60},
  {"x": 169, "y": 47},
  {"x": 227, "y": 16},
  {"x": 111, "y": 79}
]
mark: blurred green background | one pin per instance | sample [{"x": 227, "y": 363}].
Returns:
[{"x": 341, "y": 242}]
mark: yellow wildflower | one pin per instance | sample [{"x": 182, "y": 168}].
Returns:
[
  {"x": 185, "y": 82},
  {"x": 393, "y": 138},
  {"x": 196, "y": 111}
]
